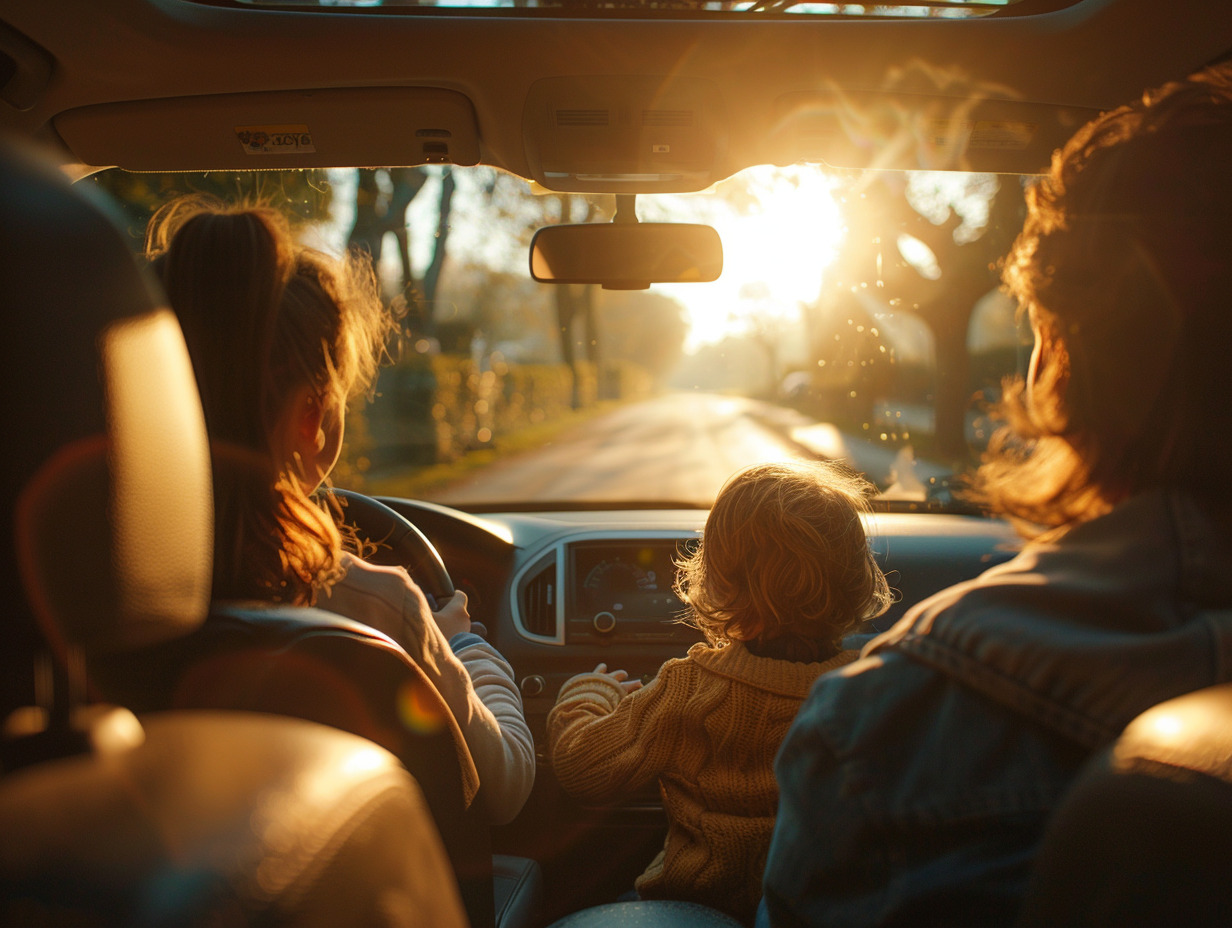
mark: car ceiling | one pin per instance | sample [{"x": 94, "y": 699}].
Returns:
[{"x": 614, "y": 104}]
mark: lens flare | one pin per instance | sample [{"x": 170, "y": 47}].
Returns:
[{"x": 419, "y": 711}]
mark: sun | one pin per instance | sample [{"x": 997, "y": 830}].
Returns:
[{"x": 780, "y": 227}]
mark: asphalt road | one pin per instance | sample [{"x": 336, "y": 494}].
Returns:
[{"x": 681, "y": 447}]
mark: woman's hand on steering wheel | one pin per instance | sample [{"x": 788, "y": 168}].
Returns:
[{"x": 452, "y": 618}]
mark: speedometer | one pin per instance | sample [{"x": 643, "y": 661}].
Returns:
[
  {"x": 609, "y": 582},
  {"x": 621, "y": 590}
]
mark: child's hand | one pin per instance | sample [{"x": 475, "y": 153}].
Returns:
[
  {"x": 452, "y": 618},
  {"x": 621, "y": 677}
]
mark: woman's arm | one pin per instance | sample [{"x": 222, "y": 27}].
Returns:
[
  {"x": 478, "y": 686},
  {"x": 495, "y": 728}
]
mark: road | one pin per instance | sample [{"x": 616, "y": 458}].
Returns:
[
  {"x": 676, "y": 447},
  {"x": 680, "y": 447}
]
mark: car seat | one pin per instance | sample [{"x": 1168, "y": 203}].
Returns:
[
  {"x": 314, "y": 665},
  {"x": 179, "y": 819},
  {"x": 1144, "y": 836},
  {"x": 303, "y": 663}
]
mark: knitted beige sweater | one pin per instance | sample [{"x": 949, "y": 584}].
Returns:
[{"x": 707, "y": 727}]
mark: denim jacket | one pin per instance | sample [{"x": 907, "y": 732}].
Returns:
[{"x": 915, "y": 783}]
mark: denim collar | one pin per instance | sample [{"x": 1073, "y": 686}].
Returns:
[{"x": 1082, "y": 633}]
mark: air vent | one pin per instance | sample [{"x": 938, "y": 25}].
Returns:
[
  {"x": 537, "y": 602},
  {"x": 661, "y": 118},
  {"x": 582, "y": 117}
]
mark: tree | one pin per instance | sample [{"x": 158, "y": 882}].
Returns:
[
  {"x": 574, "y": 302},
  {"x": 643, "y": 327},
  {"x": 969, "y": 271},
  {"x": 432, "y": 275},
  {"x": 766, "y": 329},
  {"x": 871, "y": 270},
  {"x": 379, "y": 213}
]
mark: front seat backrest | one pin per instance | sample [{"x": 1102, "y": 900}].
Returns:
[
  {"x": 220, "y": 820},
  {"x": 1144, "y": 836},
  {"x": 106, "y": 468},
  {"x": 181, "y": 819}
]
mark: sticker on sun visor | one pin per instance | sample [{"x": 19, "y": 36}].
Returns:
[
  {"x": 275, "y": 140},
  {"x": 983, "y": 133},
  {"x": 988, "y": 133}
]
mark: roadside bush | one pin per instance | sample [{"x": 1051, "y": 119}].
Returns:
[{"x": 434, "y": 408}]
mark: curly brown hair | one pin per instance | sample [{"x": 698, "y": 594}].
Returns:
[
  {"x": 784, "y": 554},
  {"x": 263, "y": 317},
  {"x": 1123, "y": 266}
]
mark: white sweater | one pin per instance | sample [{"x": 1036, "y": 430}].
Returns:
[{"x": 475, "y": 681}]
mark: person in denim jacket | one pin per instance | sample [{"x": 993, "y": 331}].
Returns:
[{"x": 915, "y": 783}]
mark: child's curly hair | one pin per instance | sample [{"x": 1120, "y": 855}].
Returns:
[
  {"x": 264, "y": 317},
  {"x": 784, "y": 554}
]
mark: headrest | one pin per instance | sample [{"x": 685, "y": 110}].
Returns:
[
  {"x": 1191, "y": 732},
  {"x": 106, "y": 482}
]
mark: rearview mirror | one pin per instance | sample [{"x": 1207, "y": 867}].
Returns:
[{"x": 626, "y": 255}]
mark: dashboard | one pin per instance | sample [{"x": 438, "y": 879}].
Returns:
[
  {"x": 603, "y": 588},
  {"x": 561, "y": 592}
]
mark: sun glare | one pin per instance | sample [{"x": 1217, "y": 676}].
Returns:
[{"x": 781, "y": 228}]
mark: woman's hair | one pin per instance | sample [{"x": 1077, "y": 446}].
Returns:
[
  {"x": 1124, "y": 267},
  {"x": 263, "y": 318},
  {"x": 784, "y": 554}
]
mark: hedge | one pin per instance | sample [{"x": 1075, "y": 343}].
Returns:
[{"x": 434, "y": 408}]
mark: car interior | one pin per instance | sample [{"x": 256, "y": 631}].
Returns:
[{"x": 777, "y": 223}]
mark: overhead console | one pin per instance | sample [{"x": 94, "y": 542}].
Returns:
[
  {"x": 350, "y": 127},
  {"x": 624, "y": 134}
]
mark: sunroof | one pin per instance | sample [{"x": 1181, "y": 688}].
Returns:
[{"x": 938, "y": 9}]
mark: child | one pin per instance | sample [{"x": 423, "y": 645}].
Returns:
[
  {"x": 783, "y": 572},
  {"x": 281, "y": 337}
]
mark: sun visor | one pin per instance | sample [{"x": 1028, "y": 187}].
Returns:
[
  {"x": 857, "y": 129},
  {"x": 359, "y": 127},
  {"x": 600, "y": 134}
]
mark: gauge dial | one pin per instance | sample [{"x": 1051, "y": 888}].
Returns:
[{"x": 612, "y": 580}]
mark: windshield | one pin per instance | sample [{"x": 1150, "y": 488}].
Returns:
[{"x": 857, "y": 317}]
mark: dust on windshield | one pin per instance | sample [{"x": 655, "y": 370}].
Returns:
[{"x": 858, "y": 316}]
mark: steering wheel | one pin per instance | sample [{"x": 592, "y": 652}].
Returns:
[{"x": 399, "y": 543}]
